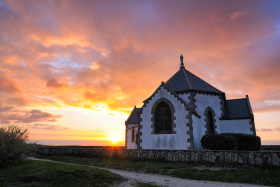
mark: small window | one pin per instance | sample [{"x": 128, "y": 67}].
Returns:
[
  {"x": 210, "y": 122},
  {"x": 132, "y": 138},
  {"x": 163, "y": 117}
]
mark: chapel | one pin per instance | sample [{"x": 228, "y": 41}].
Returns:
[{"x": 181, "y": 111}]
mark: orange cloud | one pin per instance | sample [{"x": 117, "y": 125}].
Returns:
[
  {"x": 9, "y": 86},
  {"x": 18, "y": 101},
  {"x": 28, "y": 117},
  {"x": 54, "y": 84}
]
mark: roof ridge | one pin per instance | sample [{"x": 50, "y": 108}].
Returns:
[
  {"x": 204, "y": 81},
  {"x": 235, "y": 99},
  {"x": 187, "y": 78},
  {"x": 129, "y": 117}
]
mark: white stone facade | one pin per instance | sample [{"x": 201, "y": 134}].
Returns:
[
  {"x": 203, "y": 101},
  {"x": 131, "y": 139},
  {"x": 235, "y": 126},
  {"x": 176, "y": 141}
]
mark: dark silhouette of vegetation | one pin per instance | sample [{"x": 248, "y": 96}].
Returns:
[
  {"x": 231, "y": 141},
  {"x": 13, "y": 144}
]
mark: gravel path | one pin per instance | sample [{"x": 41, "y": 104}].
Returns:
[{"x": 160, "y": 179}]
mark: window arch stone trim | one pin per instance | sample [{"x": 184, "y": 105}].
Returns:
[
  {"x": 188, "y": 116},
  {"x": 173, "y": 117},
  {"x": 213, "y": 120}
]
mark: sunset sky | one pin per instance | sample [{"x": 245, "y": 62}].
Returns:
[{"x": 72, "y": 71}]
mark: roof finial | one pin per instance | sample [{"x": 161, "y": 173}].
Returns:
[{"x": 182, "y": 63}]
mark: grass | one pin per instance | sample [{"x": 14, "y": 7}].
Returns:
[
  {"x": 224, "y": 173},
  {"x": 136, "y": 165},
  {"x": 39, "y": 173},
  {"x": 266, "y": 177}
]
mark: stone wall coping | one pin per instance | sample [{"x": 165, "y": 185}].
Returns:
[
  {"x": 163, "y": 150},
  {"x": 212, "y": 156}
]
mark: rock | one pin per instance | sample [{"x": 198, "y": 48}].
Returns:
[{"x": 275, "y": 159}]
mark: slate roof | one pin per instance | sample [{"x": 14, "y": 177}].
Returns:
[
  {"x": 183, "y": 80},
  {"x": 236, "y": 109},
  {"x": 132, "y": 119}
]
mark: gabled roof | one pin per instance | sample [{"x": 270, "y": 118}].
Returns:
[
  {"x": 183, "y": 80},
  {"x": 237, "y": 109},
  {"x": 133, "y": 119}
]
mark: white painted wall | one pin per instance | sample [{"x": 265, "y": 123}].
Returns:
[
  {"x": 176, "y": 141},
  {"x": 129, "y": 143},
  {"x": 185, "y": 96},
  {"x": 202, "y": 102},
  {"x": 236, "y": 126},
  {"x": 198, "y": 131},
  {"x": 223, "y": 126}
]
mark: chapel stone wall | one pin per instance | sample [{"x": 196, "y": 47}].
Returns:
[
  {"x": 259, "y": 158},
  {"x": 179, "y": 139},
  {"x": 236, "y": 126},
  {"x": 131, "y": 144},
  {"x": 204, "y": 103}
]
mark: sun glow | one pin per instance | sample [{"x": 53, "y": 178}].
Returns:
[{"x": 114, "y": 138}]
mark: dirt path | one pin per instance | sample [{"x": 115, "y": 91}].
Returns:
[{"x": 160, "y": 179}]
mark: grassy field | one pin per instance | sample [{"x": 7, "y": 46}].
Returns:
[
  {"x": 234, "y": 173},
  {"x": 38, "y": 173}
]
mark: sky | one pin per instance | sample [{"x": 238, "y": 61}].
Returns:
[{"x": 72, "y": 71}]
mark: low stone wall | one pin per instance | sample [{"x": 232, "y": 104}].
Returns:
[
  {"x": 270, "y": 147},
  {"x": 222, "y": 157}
]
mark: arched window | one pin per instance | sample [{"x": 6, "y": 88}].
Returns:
[
  {"x": 210, "y": 122},
  {"x": 163, "y": 118}
]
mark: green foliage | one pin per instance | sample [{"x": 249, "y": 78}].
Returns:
[
  {"x": 231, "y": 141},
  {"x": 12, "y": 144}
]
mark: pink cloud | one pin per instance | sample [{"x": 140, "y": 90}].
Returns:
[
  {"x": 237, "y": 14},
  {"x": 18, "y": 101},
  {"x": 264, "y": 129},
  {"x": 40, "y": 126},
  {"x": 9, "y": 86},
  {"x": 277, "y": 128},
  {"x": 53, "y": 83}
]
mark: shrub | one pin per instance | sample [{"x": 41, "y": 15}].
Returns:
[
  {"x": 231, "y": 141},
  {"x": 12, "y": 144}
]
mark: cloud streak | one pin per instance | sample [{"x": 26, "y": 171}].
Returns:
[
  {"x": 28, "y": 117},
  {"x": 277, "y": 128},
  {"x": 264, "y": 129}
]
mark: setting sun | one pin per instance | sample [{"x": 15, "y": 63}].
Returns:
[{"x": 114, "y": 138}]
